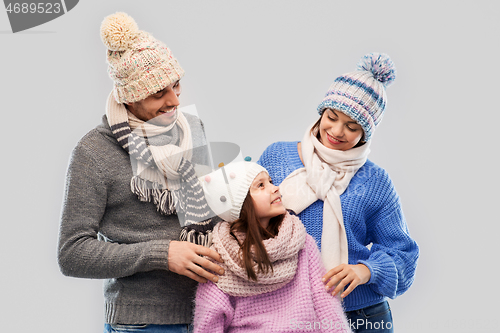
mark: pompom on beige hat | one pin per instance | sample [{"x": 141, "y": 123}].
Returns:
[{"x": 138, "y": 64}]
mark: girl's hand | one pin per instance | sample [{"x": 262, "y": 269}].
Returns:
[{"x": 344, "y": 274}]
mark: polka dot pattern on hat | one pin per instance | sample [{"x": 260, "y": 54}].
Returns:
[{"x": 228, "y": 188}]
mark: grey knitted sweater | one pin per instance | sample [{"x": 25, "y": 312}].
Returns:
[{"x": 107, "y": 233}]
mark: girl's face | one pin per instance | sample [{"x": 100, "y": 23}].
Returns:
[
  {"x": 266, "y": 198},
  {"x": 339, "y": 131}
]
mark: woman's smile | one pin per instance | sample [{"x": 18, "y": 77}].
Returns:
[{"x": 334, "y": 140}]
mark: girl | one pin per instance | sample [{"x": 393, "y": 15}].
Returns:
[
  {"x": 346, "y": 202},
  {"x": 272, "y": 280}
]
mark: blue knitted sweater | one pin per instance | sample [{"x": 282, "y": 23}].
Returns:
[{"x": 372, "y": 214}]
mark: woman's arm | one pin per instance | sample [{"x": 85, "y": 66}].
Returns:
[
  {"x": 394, "y": 254},
  {"x": 390, "y": 268}
]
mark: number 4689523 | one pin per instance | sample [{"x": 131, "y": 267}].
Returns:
[{"x": 41, "y": 8}]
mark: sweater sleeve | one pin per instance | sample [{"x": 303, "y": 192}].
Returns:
[
  {"x": 213, "y": 309},
  {"x": 327, "y": 307},
  {"x": 80, "y": 253},
  {"x": 394, "y": 254}
]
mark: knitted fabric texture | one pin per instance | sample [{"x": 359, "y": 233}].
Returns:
[
  {"x": 303, "y": 302},
  {"x": 361, "y": 94},
  {"x": 133, "y": 258},
  {"x": 282, "y": 250},
  {"x": 164, "y": 174},
  {"x": 372, "y": 214},
  {"x": 199, "y": 225},
  {"x": 226, "y": 188},
  {"x": 326, "y": 176},
  {"x": 138, "y": 64}
]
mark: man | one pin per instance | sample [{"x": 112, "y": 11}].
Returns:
[{"x": 119, "y": 219}]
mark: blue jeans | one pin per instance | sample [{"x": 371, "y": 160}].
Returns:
[
  {"x": 372, "y": 319},
  {"x": 120, "y": 328}
]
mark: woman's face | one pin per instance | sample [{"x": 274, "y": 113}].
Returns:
[{"x": 339, "y": 131}]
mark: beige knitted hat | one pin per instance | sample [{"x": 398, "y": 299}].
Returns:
[{"x": 138, "y": 64}]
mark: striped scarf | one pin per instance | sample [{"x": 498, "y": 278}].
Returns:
[{"x": 163, "y": 173}]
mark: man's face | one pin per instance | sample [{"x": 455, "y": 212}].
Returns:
[{"x": 160, "y": 108}]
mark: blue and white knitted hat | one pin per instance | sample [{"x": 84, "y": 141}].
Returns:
[{"x": 361, "y": 94}]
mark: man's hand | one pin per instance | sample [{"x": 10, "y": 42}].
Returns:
[{"x": 184, "y": 258}]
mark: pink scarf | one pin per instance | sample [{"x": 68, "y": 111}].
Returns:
[{"x": 282, "y": 250}]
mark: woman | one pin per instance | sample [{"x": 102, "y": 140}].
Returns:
[{"x": 346, "y": 202}]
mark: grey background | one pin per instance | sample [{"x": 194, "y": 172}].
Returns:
[{"x": 256, "y": 71}]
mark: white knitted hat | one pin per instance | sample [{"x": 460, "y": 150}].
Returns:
[{"x": 226, "y": 188}]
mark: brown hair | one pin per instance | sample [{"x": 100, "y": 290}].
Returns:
[
  {"x": 315, "y": 129},
  {"x": 255, "y": 234}
]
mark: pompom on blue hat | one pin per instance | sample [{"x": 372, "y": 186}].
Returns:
[{"x": 362, "y": 94}]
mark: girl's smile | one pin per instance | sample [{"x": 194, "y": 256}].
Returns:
[{"x": 276, "y": 201}]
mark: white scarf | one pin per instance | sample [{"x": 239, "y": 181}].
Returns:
[{"x": 326, "y": 176}]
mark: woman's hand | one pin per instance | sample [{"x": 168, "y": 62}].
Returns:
[{"x": 344, "y": 274}]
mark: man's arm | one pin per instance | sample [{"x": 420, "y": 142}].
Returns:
[{"x": 81, "y": 254}]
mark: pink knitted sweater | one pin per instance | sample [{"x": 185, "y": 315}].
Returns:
[{"x": 301, "y": 304}]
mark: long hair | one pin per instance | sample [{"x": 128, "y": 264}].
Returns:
[{"x": 255, "y": 234}]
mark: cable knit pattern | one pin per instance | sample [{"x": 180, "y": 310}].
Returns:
[
  {"x": 282, "y": 250},
  {"x": 302, "y": 305},
  {"x": 372, "y": 215}
]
